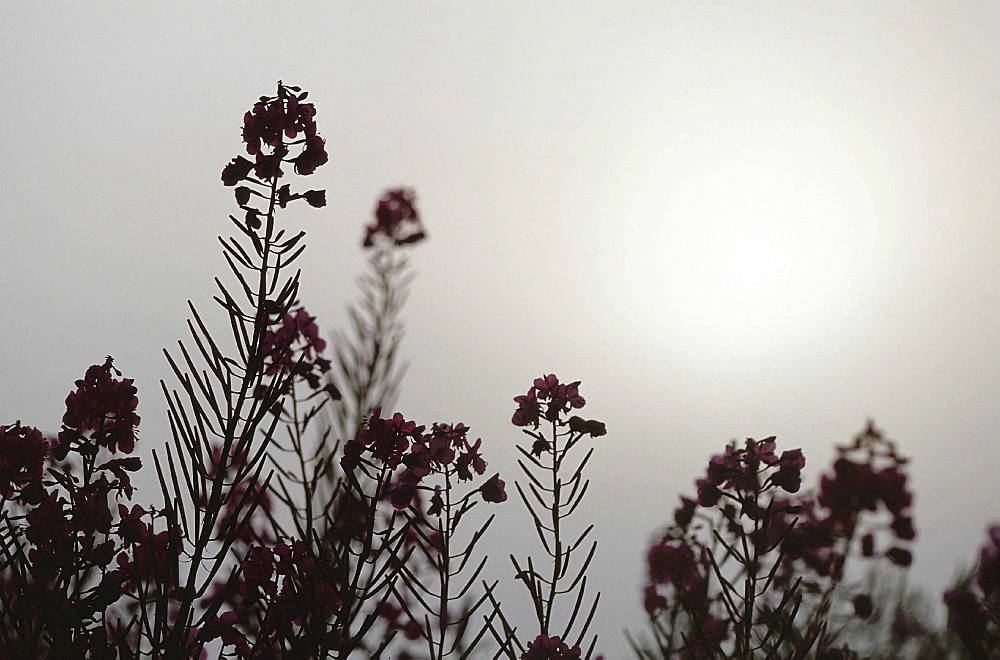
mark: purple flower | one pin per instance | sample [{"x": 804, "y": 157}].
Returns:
[{"x": 493, "y": 490}]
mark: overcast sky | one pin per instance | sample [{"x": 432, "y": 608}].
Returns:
[{"x": 728, "y": 220}]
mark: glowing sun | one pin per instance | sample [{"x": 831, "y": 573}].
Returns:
[{"x": 751, "y": 244}]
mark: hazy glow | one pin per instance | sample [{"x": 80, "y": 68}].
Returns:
[{"x": 747, "y": 242}]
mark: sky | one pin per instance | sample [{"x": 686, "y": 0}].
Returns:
[{"x": 727, "y": 220}]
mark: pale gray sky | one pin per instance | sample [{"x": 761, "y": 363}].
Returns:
[{"x": 726, "y": 219}]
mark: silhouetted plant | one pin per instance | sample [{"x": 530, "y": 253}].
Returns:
[
  {"x": 556, "y": 488},
  {"x": 751, "y": 569},
  {"x": 290, "y": 527}
]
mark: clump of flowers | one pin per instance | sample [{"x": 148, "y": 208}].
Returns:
[
  {"x": 397, "y": 221},
  {"x": 557, "y": 488},
  {"x": 689, "y": 567},
  {"x": 102, "y": 408},
  {"x": 23, "y": 454},
  {"x": 60, "y": 532},
  {"x": 750, "y": 524},
  {"x": 974, "y": 604},
  {"x": 296, "y": 347},
  {"x": 544, "y": 647}
]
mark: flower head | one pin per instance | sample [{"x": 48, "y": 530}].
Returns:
[
  {"x": 545, "y": 647},
  {"x": 105, "y": 408},
  {"x": 396, "y": 219}
]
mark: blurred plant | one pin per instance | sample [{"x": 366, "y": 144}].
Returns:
[
  {"x": 974, "y": 603},
  {"x": 750, "y": 569},
  {"x": 367, "y": 369},
  {"x": 557, "y": 488}
]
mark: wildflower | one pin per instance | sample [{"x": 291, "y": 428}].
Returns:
[
  {"x": 684, "y": 514},
  {"x": 899, "y": 556},
  {"x": 401, "y": 492},
  {"x": 103, "y": 406},
  {"x": 315, "y": 198},
  {"x": 863, "y": 606},
  {"x": 988, "y": 571},
  {"x": 673, "y": 562},
  {"x": 493, "y": 490},
  {"x": 789, "y": 474},
  {"x": 544, "y": 647},
  {"x": 236, "y": 171},
  {"x": 311, "y": 157},
  {"x": 396, "y": 219},
  {"x": 131, "y": 528},
  {"x": 708, "y": 493},
  {"x": 470, "y": 458},
  {"x": 22, "y": 458}
]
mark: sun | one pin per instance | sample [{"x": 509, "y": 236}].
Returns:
[{"x": 751, "y": 244}]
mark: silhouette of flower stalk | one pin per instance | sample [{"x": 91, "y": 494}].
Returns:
[
  {"x": 750, "y": 571},
  {"x": 557, "y": 488},
  {"x": 367, "y": 369},
  {"x": 439, "y": 605},
  {"x": 60, "y": 534},
  {"x": 220, "y": 419},
  {"x": 974, "y": 603}
]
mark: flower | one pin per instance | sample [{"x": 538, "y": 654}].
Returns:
[
  {"x": 493, "y": 490},
  {"x": 470, "y": 458},
  {"x": 544, "y": 647},
  {"x": 104, "y": 407},
  {"x": 23, "y": 451},
  {"x": 315, "y": 198},
  {"x": 396, "y": 219},
  {"x": 863, "y": 606},
  {"x": 559, "y": 398},
  {"x": 789, "y": 474},
  {"x": 988, "y": 571},
  {"x": 311, "y": 157},
  {"x": 684, "y": 514},
  {"x": 708, "y": 493},
  {"x": 236, "y": 171}
]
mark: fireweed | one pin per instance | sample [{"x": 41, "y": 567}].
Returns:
[
  {"x": 557, "y": 487},
  {"x": 974, "y": 603},
  {"x": 752, "y": 568},
  {"x": 363, "y": 544}
]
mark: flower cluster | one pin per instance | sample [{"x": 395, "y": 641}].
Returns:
[
  {"x": 396, "y": 220},
  {"x": 445, "y": 449},
  {"x": 23, "y": 451},
  {"x": 557, "y": 399},
  {"x": 545, "y": 647},
  {"x": 868, "y": 480},
  {"x": 71, "y": 530},
  {"x": 295, "y": 347},
  {"x": 283, "y": 583},
  {"x": 267, "y": 126},
  {"x": 104, "y": 408},
  {"x": 974, "y": 614},
  {"x": 739, "y": 471},
  {"x": 270, "y": 128}
]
